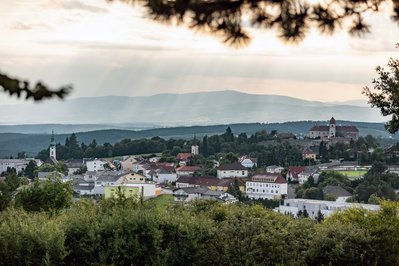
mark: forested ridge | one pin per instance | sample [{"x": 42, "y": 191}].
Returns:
[{"x": 12, "y": 143}]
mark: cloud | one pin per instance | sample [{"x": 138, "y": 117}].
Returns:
[
  {"x": 28, "y": 26},
  {"x": 79, "y": 5}
]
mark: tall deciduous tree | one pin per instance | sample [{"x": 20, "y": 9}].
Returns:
[
  {"x": 385, "y": 93},
  {"x": 51, "y": 195}
]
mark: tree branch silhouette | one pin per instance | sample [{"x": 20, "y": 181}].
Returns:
[{"x": 38, "y": 92}]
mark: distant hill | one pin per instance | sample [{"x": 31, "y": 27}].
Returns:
[
  {"x": 204, "y": 108},
  {"x": 12, "y": 143},
  {"x": 69, "y": 128}
]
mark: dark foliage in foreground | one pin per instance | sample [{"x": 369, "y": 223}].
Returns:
[{"x": 204, "y": 233}]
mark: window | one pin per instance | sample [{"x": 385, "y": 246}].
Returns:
[{"x": 242, "y": 172}]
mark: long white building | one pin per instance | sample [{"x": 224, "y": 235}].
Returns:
[
  {"x": 18, "y": 164},
  {"x": 312, "y": 207},
  {"x": 267, "y": 186}
]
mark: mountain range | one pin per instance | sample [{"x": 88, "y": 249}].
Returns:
[{"x": 202, "y": 108}]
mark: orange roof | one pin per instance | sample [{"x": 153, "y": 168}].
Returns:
[{"x": 183, "y": 156}]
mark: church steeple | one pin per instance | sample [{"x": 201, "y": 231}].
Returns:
[{"x": 53, "y": 152}]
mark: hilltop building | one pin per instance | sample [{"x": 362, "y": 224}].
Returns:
[{"x": 332, "y": 131}]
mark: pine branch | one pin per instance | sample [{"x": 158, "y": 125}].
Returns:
[{"x": 39, "y": 92}]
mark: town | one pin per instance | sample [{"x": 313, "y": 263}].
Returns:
[{"x": 325, "y": 172}]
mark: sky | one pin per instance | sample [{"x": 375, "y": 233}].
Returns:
[{"x": 104, "y": 48}]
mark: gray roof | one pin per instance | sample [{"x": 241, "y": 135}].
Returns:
[
  {"x": 74, "y": 163},
  {"x": 110, "y": 176},
  {"x": 85, "y": 186},
  {"x": 46, "y": 174},
  {"x": 233, "y": 166},
  {"x": 193, "y": 190},
  {"x": 337, "y": 191},
  {"x": 213, "y": 193}
]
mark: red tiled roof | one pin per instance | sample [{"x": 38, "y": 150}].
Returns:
[
  {"x": 230, "y": 181},
  {"x": 232, "y": 166},
  {"x": 183, "y": 156},
  {"x": 198, "y": 180},
  {"x": 308, "y": 151},
  {"x": 295, "y": 170},
  {"x": 189, "y": 168},
  {"x": 319, "y": 128},
  {"x": 269, "y": 178}
]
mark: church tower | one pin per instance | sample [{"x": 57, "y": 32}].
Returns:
[
  {"x": 195, "y": 147},
  {"x": 332, "y": 128},
  {"x": 53, "y": 152}
]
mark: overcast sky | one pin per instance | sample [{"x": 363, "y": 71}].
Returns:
[{"x": 113, "y": 49}]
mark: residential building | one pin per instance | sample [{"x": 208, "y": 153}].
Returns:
[
  {"x": 45, "y": 175},
  {"x": 274, "y": 169},
  {"x": 226, "y": 183},
  {"x": 187, "y": 170},
  {"x": 160, "y": 172},
  {"x": 188, "y": 194},
  {"x": 127, "y": 191},
  {"x": 267, "y": 186},
  {"x": 312, "y": 207},
  {"x": 183, "y": 158},
  {"x": 128, "y": 164},
  {"x": 197, "y": 181},
  {"x": 308, "y": 154},
  {"x": 304, "y": 176},
  {"x": 132, "y": 178},
  {"x": 294, "y": 171},
  {"x": 84, "y": 189},
  {"x": 248, "y": 162},
  {"x": 232, "y": 170},
  {"x": 95, "y": 165},
  {"x": 18, "y": 164},
  {"x": 74, "y": 165}
]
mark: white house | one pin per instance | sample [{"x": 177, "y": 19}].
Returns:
[
  {"x": 267, "y": 186},
  {"x": 304, "y": 176},
  {"x": 274, "y": 169},
  {"x": 95, "y": 165},
  {"x": 294, "y": 171},
  {"x": 86, "y": 189},
  {"x": 248, "y": 162},
  {"x": 312, "y": 207},
  {"x": 232, "y": 170}
]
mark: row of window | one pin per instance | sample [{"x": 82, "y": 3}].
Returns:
[
  {"x": 237, "y": 172},
  {"x": 250, "y": 190},
  {"x": 254, "y": 184}
]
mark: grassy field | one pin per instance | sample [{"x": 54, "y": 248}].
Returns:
[
  {"x": 163, "y": 200},
  {"x": 352, "y": 174}
]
